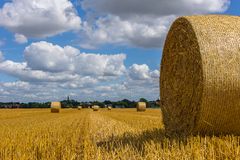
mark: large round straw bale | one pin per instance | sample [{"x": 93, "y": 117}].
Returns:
[
  {"x": 79, "y": 107},
  {"x": 200, "y": 76},
  {"x": 95, "y": 108},
  {"x": 55, "y": 107},
  {"x": 109, "y": 108},
  {"x": 141, "y": 106}
]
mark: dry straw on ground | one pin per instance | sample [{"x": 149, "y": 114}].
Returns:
[
  {"x": 200, "y": 76},
  {"x": 141, "y": 106},
  {"x": 55, "y": 107},
  {"x": 95, "y": 108}
]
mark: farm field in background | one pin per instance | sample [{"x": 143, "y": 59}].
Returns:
[{"x": 116, "y": 134}]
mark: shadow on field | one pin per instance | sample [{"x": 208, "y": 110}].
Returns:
[{"x": 138, "y": 141}]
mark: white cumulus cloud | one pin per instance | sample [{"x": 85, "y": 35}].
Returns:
[
  {"x": 142, "y": 72},
  {"x": 143, "y": 31},
  {"x": 19, "y": 38},
  {"x": 39, "y": 18},
  {"x": 86, "y": 76},
  {"x": 47, "y": 62},
  {"x": 23, "y": 72},
  {"x": 100, "y": 65},
  {"x": 138, "y": 23},
  {"x": 49, "y": 57},
  {"x": 56, "y": 86},
  {"x": 53, "y": 58}
]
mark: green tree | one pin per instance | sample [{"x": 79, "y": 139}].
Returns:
[{"x": 143, "y": 100}]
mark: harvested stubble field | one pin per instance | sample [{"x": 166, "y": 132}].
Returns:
[{"x": 116, "y": 134}]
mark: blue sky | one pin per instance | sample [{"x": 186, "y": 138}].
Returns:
[{"x": 88, "y": 49}]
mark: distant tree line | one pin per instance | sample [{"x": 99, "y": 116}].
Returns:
[{"x": 70, "y": 103}]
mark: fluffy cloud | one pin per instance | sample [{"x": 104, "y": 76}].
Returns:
[
  {"x": 17, "y": 85},
  {"x": 141, "y": 24},
  {"x": 23, "y": 72},
  {"x": 19, "y": 38},
  {"x": 142, "y": 82},
  {"x": 85, "y": 76},
  {"x": 100, "y": 65},
  {"x": 142, "y": 72},
  {"x": 48, "y": 57},
  {"x": 53, "y": 58},
  {"x": 34, "y": 18},
  {"x": 143, "y": 32},
  {"x": 80, "y": 83},
  {"x": 46, "y": 62},
  {"x": 25, "y": 92},
  {"x": 9, "y": 91}
]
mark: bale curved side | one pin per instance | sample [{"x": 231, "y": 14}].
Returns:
[
  {"x": 141, "y": 106},
  {"x": 200, "y": 76}
]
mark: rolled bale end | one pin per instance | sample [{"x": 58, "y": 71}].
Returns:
[
  {"x": 55, "y": 107},
  {"x": 79, "y": 107},
  {"x": 109, "y": 108},
  {"x": 95, "y": 108},
  {"x": 200, "y": 76},
  {"x": 141, "y": 106}
]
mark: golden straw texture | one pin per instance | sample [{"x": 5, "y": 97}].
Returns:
[
  {"x": 55, "y": 107},
  {"x": 200, "y": 76},
  {"x": 141, "y": 106}
]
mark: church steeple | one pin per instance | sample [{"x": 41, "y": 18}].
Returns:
[{"x": 68, "y": 99}]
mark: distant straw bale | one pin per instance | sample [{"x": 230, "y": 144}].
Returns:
[
  {"x": 200, "y": 76},
  {"x": 55, "y": 107},
  {"x": 141, "y": 106},
  {"x": 95, "y": 108}
]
